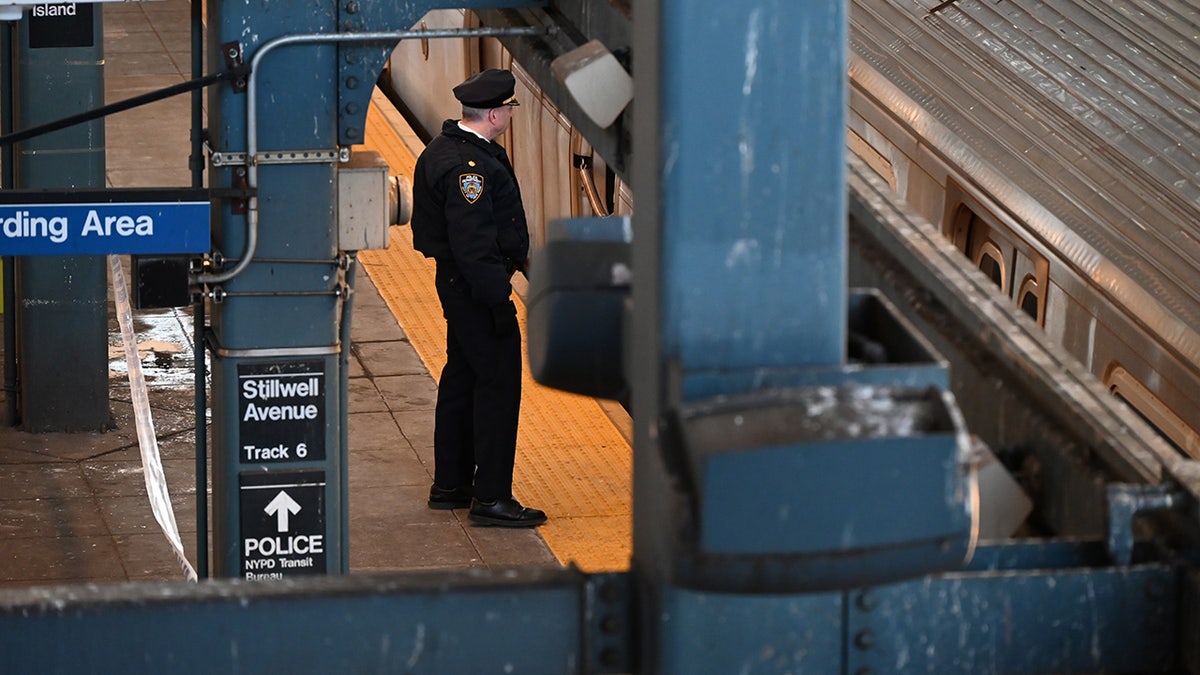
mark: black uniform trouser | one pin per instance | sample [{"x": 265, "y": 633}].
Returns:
[{"x": 479, "y": 395}]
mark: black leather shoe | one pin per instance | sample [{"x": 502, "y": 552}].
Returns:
[
  {"x": 505, "y": 513},
  {"x": 444, "y": 499}
]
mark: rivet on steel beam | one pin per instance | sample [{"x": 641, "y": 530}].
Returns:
[
  {"x": 866, "y": 601},
  {"x": 864, "y": 639},
  {"x": 610, "y": 625},
  {"x": 1155, "y": 589},
  {"x": 609, "y": 592},
  {"x": 610, "y": 657}
]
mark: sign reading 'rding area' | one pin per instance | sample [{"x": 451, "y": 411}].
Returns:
[{"x": 103, "y": 229}]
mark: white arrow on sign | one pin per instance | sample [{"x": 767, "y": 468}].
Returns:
[{"x": 281, "y": 506}]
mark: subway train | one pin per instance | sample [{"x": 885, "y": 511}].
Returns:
[
  {"x": 559, "y": 173},
  {"x": 1052, "y": 145}
]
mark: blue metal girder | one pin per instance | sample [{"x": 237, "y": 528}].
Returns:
[
  {"x": 752, "y": 184},
  {"x": 1029, "y": 607},
  {"x": 1025, "y": 607},
  {"x": 283, "y": 307},
  {"x": 465, "y": 621},
  {"x": 1081, "y": 620},
  {"x": 59, "y": 320},
  {"x": 285, "y": 299},
  {"x": 704, "y": 632}
]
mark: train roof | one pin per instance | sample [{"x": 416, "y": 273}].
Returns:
[{"x": 1079, "y": 118}]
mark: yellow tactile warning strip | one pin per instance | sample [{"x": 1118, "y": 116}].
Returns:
[{"x": 571, "y": 461}]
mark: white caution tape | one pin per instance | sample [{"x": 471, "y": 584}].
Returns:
[{"x": 156, "y": 482}]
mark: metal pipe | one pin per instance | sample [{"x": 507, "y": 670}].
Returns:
[
  {"x": 129, "y": 103},
  {"x": 589, "y": 190},
  {"x": 583, "y": 165},
  {"x": 252, "y": 109},
  {"x": 6, "y": 182},
  {"x": 197, "y": 158},
  {"x": 12, "y": 413},
  {"x": 199, "y": 355},
  {"x": 225, "y": 295},
  {"x": 201, "y": 385},
  {"x": 6, "y": 100},
  {"x": 271, "y": 352},
  {"x": 295, "y": 261},
  {"x": 344, "y": 406}
]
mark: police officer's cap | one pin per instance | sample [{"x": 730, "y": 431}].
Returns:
[{"x": 491, "y": 88}]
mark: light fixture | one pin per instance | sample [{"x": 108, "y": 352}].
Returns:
[{"x": 596, "y": 80}]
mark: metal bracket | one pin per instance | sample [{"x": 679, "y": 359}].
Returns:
[
  {"x": 608, "y": 621},
  {"x": 232, "y": 53},
  {"x": 1125, "y": 501},
  {"x": 222, "y": 159},
  {"x": 212, "y": 343},
  {"x": 241, "y": 182},
  {"x": 303, "y": 156}
]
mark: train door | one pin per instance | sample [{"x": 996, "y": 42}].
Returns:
[
  {"x": 536, "y": 141},
  {"x": 597, "y": 189},
  {"x": 418, "y": 67}
]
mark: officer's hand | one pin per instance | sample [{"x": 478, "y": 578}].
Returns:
[{"x": 504, "y": 318}]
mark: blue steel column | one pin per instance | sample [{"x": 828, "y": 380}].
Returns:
[
  {"x": 296, "y": 253},
  {"x": 62, "y": 312},
  {"x": 740, "y": 265},
  {"x": 277, "y": 317}
]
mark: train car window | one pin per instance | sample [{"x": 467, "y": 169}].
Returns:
[
  {"x": 999, "y": 251},
  {"x": 973, "y": 236},
  {"x": 960, "y": 229},
  {"x": 1028, "y": 297},
  {"x": 990, "y": 260},
  {"x": 1153, "y": 410},
  {"x": 1034, "y": 272}
]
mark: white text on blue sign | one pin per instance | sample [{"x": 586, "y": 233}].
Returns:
[{"x": 114, "y": 228}]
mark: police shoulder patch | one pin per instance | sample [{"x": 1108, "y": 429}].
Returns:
[{"x": 471, "y": 185}]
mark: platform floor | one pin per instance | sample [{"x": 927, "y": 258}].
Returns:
[{"x": 73, "y": 507}]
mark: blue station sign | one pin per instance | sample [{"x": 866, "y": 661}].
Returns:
[{"x": 102, "y": 222}]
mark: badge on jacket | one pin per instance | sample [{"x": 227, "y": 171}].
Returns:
[{"x": 471, "y": 185}]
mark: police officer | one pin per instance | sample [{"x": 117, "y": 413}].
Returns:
[{"x": 468, "y": 216}]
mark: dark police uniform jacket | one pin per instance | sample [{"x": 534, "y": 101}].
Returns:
[{"x": 467, "y": 212}]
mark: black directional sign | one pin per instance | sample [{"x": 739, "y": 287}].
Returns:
[
  {"x": 283, "y": 524},
  {"x": 281, "y": 412},
  {"x": 68, "y": 24}
]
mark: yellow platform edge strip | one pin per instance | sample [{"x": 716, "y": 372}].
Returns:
[{"x": 572, "y": 461}]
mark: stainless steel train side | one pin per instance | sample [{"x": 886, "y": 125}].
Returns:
[
  {"x": 1050, "y": 144},
  {"x": 1053, "y": 146}
]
